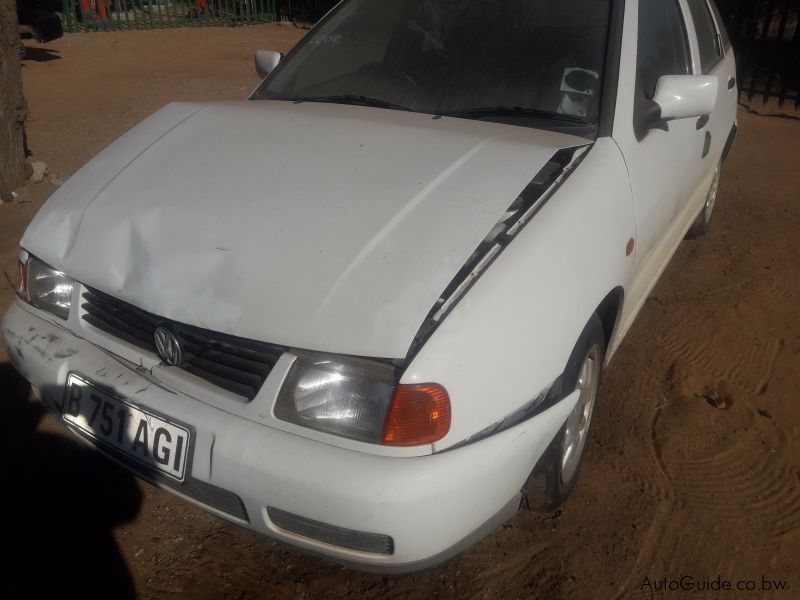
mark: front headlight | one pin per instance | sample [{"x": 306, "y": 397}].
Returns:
[
  {"x": 44, "y": 287},
  {"x": 360, "y": 399}
]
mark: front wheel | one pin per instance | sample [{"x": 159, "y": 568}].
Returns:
[{"x": 557, "y": 471}]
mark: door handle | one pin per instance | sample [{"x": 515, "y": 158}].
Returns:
[
  {"x": 731, "y": 83},
  {"x": 702, "y": 122},
  {"x": 707, "y": 144}
]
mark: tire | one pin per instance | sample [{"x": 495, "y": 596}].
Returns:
[
  {"x": 703, "y": 221},
  {"x": 557, "y": 471}
]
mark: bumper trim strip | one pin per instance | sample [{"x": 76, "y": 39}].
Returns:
[{"x": 351, "y": 539}]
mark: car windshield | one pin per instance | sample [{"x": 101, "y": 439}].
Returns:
[{"x": 516, "y": 60}]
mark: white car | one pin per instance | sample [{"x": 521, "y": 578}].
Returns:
[{"x": 365, "y": 311}]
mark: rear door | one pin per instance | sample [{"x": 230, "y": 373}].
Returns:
[{"x": 715, "y": 57}]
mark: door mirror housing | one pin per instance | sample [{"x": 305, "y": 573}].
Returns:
[
  {"x": 686, "y": 96},
  {"x": 677, "y": 97},
  {"x": 266, "y": 61}
]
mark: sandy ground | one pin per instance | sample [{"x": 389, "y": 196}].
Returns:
[{"x": 693, "y": 466}]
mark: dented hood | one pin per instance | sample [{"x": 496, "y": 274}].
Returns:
[{"x": 316, "y": 226}]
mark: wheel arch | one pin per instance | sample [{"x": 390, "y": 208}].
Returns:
[{"x": 609, "y": 311}]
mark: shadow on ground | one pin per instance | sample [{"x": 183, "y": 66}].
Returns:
[
  {"x": 40, "y": 54},
  {"x": 60, "y": 500}
]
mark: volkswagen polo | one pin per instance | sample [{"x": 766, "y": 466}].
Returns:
[{"x": 365, "y": 311}]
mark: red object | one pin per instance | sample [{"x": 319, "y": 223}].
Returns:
[{"x": 96, "y": 9}]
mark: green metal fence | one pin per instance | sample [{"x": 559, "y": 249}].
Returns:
[
  {"x": 112, "y": 15},
  {"x": 766, "y": 38}
]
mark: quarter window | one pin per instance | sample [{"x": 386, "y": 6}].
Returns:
[{"x": 708, "y": 40}]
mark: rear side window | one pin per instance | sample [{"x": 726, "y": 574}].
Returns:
[
  {"x": 663, "y": 44},
  {"x": 708, "y": 40}
]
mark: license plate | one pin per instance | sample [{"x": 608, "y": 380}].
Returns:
[{"x": 150, "y": 439}]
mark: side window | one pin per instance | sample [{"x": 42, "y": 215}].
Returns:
[
  {"x": 663, "y": 44},
  {"x": 708, "y": 40}
]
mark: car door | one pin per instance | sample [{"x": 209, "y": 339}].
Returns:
[
  {"x": 714, "y": 57},
  {"x": 661, "y": 161}
]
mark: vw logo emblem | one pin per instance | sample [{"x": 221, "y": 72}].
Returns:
[{"x": 168, "y": 346}]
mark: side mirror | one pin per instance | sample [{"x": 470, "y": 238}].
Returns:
[
  {"x": 677, "y": 97},
  {"x": 266, "y": 61},
  {"x": 686, "y": 96}
]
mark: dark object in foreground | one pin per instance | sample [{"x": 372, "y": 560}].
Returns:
[{"x": 38, "y": 19}]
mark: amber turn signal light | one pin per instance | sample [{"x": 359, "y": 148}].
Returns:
[{"x": 418, "y": 414}]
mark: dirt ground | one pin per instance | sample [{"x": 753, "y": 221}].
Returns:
[{"x": 693, "y": 466}]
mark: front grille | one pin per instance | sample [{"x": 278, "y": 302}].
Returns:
[{"x": 234, "y": 364}]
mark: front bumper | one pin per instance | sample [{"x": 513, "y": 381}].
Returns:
[{"x": 431, "y": 507}]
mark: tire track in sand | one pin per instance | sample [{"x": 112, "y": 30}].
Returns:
[
  {"x": 741, "y": 352},
  {"x": 734, "y": 464}
]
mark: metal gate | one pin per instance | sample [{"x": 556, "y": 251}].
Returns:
[
  {"x": 766, "y": 37},
  {"x": 110, "y": 15}
]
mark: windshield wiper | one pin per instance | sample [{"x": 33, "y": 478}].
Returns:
[
  {"x": 515, "y": 112},
  {"x": 353, "y": 99}
]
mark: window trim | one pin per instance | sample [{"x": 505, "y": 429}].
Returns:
[{"x": 686, "y": 39}]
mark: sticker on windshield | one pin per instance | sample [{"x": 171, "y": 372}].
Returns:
[
  {"x": 578, "y": 86},
  {"x": 326, "y": 39},
  {"x": 580, "y": 81}
]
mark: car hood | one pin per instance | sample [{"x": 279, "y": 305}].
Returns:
[{"x": 316, "y": 226}]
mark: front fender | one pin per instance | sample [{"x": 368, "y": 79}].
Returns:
[{"x": 510, "y": 336}]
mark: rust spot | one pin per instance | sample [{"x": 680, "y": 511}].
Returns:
[
  {"x": 141, "y": 369},
  {"x": 629, "y": 247}
]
